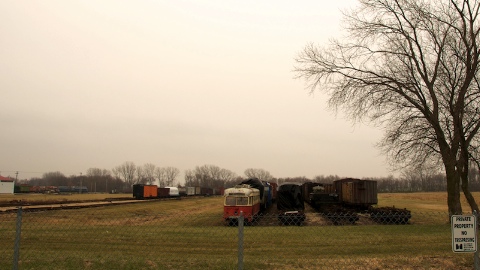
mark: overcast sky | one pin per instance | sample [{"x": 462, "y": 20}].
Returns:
[{"x": 89, "y": 84}]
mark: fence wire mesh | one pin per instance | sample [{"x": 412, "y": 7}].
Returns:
[{"x": 156, "y": 235}]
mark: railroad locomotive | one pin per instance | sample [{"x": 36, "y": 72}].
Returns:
[
  {"x": 251, "y": 197},
  {"x": 242, "y": 198},
  {"x": 290, "y": 204}
]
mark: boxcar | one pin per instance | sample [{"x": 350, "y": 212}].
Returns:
[
  {"x": 206, "y": 191},
  {"x": 163, "y": 192},
  {"x": 218, "y": 191},
  {"x": 173, "y": 191},
  {"x": 361, "y": 193},
  {"x": 141, "y": 191},
  {"x": 22, "y": 188},
  {"x": 190, "y": 191},
  {"x": 182, "y": 191}
]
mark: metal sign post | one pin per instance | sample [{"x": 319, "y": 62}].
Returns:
[{"x": 464, "y": 233}]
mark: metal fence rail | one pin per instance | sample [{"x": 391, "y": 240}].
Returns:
[{"x": 115, "y": 238}]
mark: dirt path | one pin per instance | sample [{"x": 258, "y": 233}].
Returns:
[{"x": 313, "y": 218}]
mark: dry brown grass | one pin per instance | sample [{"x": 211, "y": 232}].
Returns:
[
  {"x": 188, "y": 234},
  {"x": 422, "y": 201},
  {"x": 38, "y": 197}
]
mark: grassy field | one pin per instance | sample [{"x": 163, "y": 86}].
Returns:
[
  {"x": 422, "y": 201},
  {"x": 46, "y": 198},
  {"x": 189, "y": 234},
  {"x": 436, "y": 201}
]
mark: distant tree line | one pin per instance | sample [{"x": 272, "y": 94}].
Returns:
[
  {"x": 122, "y": 177},
  {"x": 96, "y": 180},
  {"x": 413, "y": 180}
]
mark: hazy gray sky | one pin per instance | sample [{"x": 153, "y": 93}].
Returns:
[{"x": 174, "y": 83}]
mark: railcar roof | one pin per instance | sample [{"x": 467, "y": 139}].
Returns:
[{"x": 244, "y": 191}]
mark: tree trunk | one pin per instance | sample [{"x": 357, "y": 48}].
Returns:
[
  {"x": 468, "y": 195},
  {"x": 453, "y": 191},
  {"x": 454, "y": 206}
]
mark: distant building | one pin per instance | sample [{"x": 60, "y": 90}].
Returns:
[{"x": 6, "y": 185}]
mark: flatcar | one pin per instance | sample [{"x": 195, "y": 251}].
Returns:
[{"x": 241, "y": 198}]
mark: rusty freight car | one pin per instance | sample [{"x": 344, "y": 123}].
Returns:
[{"x": 355, "y": 192}]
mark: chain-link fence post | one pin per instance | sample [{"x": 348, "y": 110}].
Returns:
[
  {"x": 240, "y": 241},
  {"x": 18, "y": 230},
  {"x": 476, "y": 259}
]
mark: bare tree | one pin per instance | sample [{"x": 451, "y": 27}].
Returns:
[
  {"x": 140, "y": 176},
  {"x": 326, "y": 179},
  {"x": 411, "y": 66},
  {"x": 190, "y": 179},
  {"x": 55, "y": 179},
  {"x": 126, "y": 172},
  {"x": 97, "y": 172},
  {"x": 261, "y": 174},
  {"x": 99, "y": 176},
  {"x": 171, "y": 174},
  {"x": 420, "y": 177},
  {"x": 208, "y": 176},
  {"x": 226, "y": 176},
  {"x": 149, "y": 173},
  {"x": 161, "y": 177}
]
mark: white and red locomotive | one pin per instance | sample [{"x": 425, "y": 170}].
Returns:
[{"x": 241, "y": 198}]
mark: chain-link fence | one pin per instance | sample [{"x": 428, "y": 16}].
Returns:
[{"x": 148, "y": 237}]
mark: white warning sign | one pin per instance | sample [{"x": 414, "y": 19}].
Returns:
[{"x": 464, "y": 233}]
